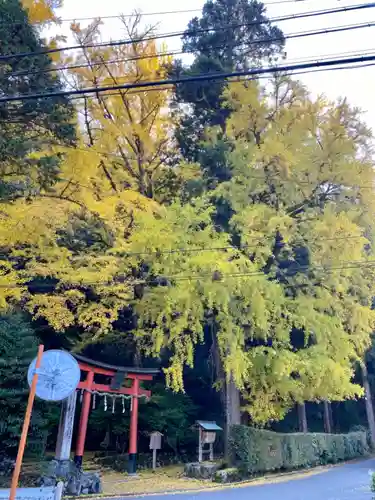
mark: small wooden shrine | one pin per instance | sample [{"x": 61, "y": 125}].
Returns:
[{"x": 207, "y": 435}]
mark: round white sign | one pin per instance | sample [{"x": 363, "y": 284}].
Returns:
[{"x": 58, "y": 376}]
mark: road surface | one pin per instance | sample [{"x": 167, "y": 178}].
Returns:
[{"x": 346, "y": 482}]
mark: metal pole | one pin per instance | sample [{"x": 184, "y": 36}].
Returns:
[
  {"x": 25, "y": 428},
  {"x": 154, "y": 458}
]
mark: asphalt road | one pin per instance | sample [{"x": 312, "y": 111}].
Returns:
[{"x": 347, "y": 482}]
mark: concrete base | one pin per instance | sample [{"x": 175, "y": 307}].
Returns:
[{"x": 201, "y": 470}]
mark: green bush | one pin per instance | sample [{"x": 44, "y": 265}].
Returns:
[
  {"x": 230, "y": 475},
  {"x": 373, "y": 482},
  {"x": 255, "y": 451}
]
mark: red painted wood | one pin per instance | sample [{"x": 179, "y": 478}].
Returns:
[
  {"x": 100, "y": 371},
  {"x": 106, "y": 388},
  {"x": 82, "y": 429},
  {"x": 139, "y": 376},
  {"x": 89, "y": 385},
  {"x": 110, "y": 373},
  {"x": 134, "y": 419}
]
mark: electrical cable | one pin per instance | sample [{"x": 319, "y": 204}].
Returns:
[
  {"x": 319, "y": 70},
  {"x": 107, "y": 154},
  {"x": 349, "y": 8},
  {"x": 224, "y": 248},
  {"x": 304, "y": 268},
  {"x": 301, "y": 34},
  {"x": 142, "y": 14},
  {"x": 361, "y": 264},
  {"x": 143, "y": 85}
]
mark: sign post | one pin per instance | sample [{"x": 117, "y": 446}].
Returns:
[
  {"x": 65, "y": 433},
  {"x": 155, "y": 444},
  {"x": 25, "y": 428}
]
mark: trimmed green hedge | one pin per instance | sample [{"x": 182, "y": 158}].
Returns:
[{"x": 255, "y": 450}]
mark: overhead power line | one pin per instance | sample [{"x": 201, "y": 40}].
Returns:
[
  {"x": 228, "y": 247},
  {"x": 289, "y": 36},
  {"x": 113, "y": 16},
  {"x": 349, "y": 8},
  {"x": 143, "y": 14},
  {"x": 262, "y": 77},
  {"x": 345, "y": 265},
  {"x": 145, "y": 85},
  {"x": 119, "y": 280}
]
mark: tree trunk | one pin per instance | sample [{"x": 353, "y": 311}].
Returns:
[
  {"x": 232, "y": 411},
  {"x": 229, "y": 395},
  {"x": 369, "y": 406},
  {"x": 327, "y": 417},
  {"x": 302, "y": 418}
]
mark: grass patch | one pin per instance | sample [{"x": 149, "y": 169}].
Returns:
[{"x": 168, "y": 478}]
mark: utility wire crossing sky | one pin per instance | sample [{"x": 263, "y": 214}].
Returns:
[{"x": 357, "y": 85}]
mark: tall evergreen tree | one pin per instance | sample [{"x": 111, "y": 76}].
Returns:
[
  {"x": 26, "y": 127},
  {"x": 18, "y": 347},
  {"x": 230, "y": 35}
]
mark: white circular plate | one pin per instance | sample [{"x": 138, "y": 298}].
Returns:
[{"x": 58, "y": 376}]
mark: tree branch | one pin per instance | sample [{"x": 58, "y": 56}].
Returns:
[{"x": 108, "y": 176}]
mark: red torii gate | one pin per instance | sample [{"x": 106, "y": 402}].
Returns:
[{"x": 117, "y": 374}]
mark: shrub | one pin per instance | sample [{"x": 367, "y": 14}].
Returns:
[
  {"x": 255, "y": 451},
  {"x": 230, "y": 475},
  {"x": 373, "y": 482},
  {"x": 362, "y": 428}
]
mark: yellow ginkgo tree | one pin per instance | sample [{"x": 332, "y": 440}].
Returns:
[
  {"x": 130, "y": 131},
  {"x": 41, "y": 12},
  {"x": 80, "y": 225}
]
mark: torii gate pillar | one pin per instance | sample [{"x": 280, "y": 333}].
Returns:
[{"x": 132, "y": 465}]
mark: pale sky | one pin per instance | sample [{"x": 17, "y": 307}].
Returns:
[{"x": 357, "y": 85}]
